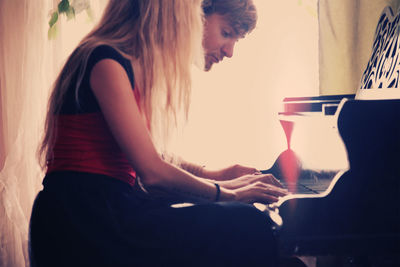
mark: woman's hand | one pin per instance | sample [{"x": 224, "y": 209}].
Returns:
[
  {"x": 263, "y": 188},
  {"x": 259, "y": 192},
  {"x": 250, "y": 179}
]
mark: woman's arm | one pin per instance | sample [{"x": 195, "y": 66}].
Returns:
[
  {"x": 224, "y": 174},
  {"x": 113, "y": 91}
]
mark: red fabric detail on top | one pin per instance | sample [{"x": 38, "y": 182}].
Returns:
[{"x": 85, "y": 143}]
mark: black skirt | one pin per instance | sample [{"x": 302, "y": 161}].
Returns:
[{"x": 82, "y": 219}]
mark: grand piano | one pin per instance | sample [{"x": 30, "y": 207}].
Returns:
[{"x": 356, "y": 215}]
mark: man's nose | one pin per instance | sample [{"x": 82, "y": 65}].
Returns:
[{"x": 228, "y": 48}]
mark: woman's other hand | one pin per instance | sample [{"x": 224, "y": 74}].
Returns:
[{"x": 250, "y": 179}]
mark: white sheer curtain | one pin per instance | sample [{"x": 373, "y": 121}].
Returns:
[{"x": 29, "y": 63}]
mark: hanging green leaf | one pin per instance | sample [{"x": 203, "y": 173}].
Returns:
[
  {"x": 63, "y": 6},
  {"x": 89, "y": 12},
  {"x": 70, "y": 8},
  {"x": 52, "y": 32},
  {"x": 70, "y": 13},
  {"x": 53, "y": 19}
]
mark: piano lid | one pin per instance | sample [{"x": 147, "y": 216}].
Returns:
[
  {"x": 325, "y": 104},
  {"x": 311, "y": 131}
]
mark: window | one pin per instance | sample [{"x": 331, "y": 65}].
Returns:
[{"x": 233, "y": 115}]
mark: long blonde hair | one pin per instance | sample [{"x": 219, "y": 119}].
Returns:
[{"x": 164, "y": 36}]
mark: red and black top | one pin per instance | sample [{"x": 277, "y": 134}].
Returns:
[{"x": 84, "y": 141}]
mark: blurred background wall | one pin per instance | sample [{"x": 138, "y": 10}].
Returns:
[{"x": 346, "y": 32}]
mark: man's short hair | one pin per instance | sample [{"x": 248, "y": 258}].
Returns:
[{"x": 241, "y": 14}]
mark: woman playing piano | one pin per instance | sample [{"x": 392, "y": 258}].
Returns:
[{"x": 107, "y": 192}]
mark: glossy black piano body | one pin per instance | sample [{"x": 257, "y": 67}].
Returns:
[{"x": 359, "y": 214}]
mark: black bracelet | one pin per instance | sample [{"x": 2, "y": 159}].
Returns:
[{"x": 218, "y": 192}]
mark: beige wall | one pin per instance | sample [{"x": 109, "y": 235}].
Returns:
[{"x": 346, "y": 34}]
